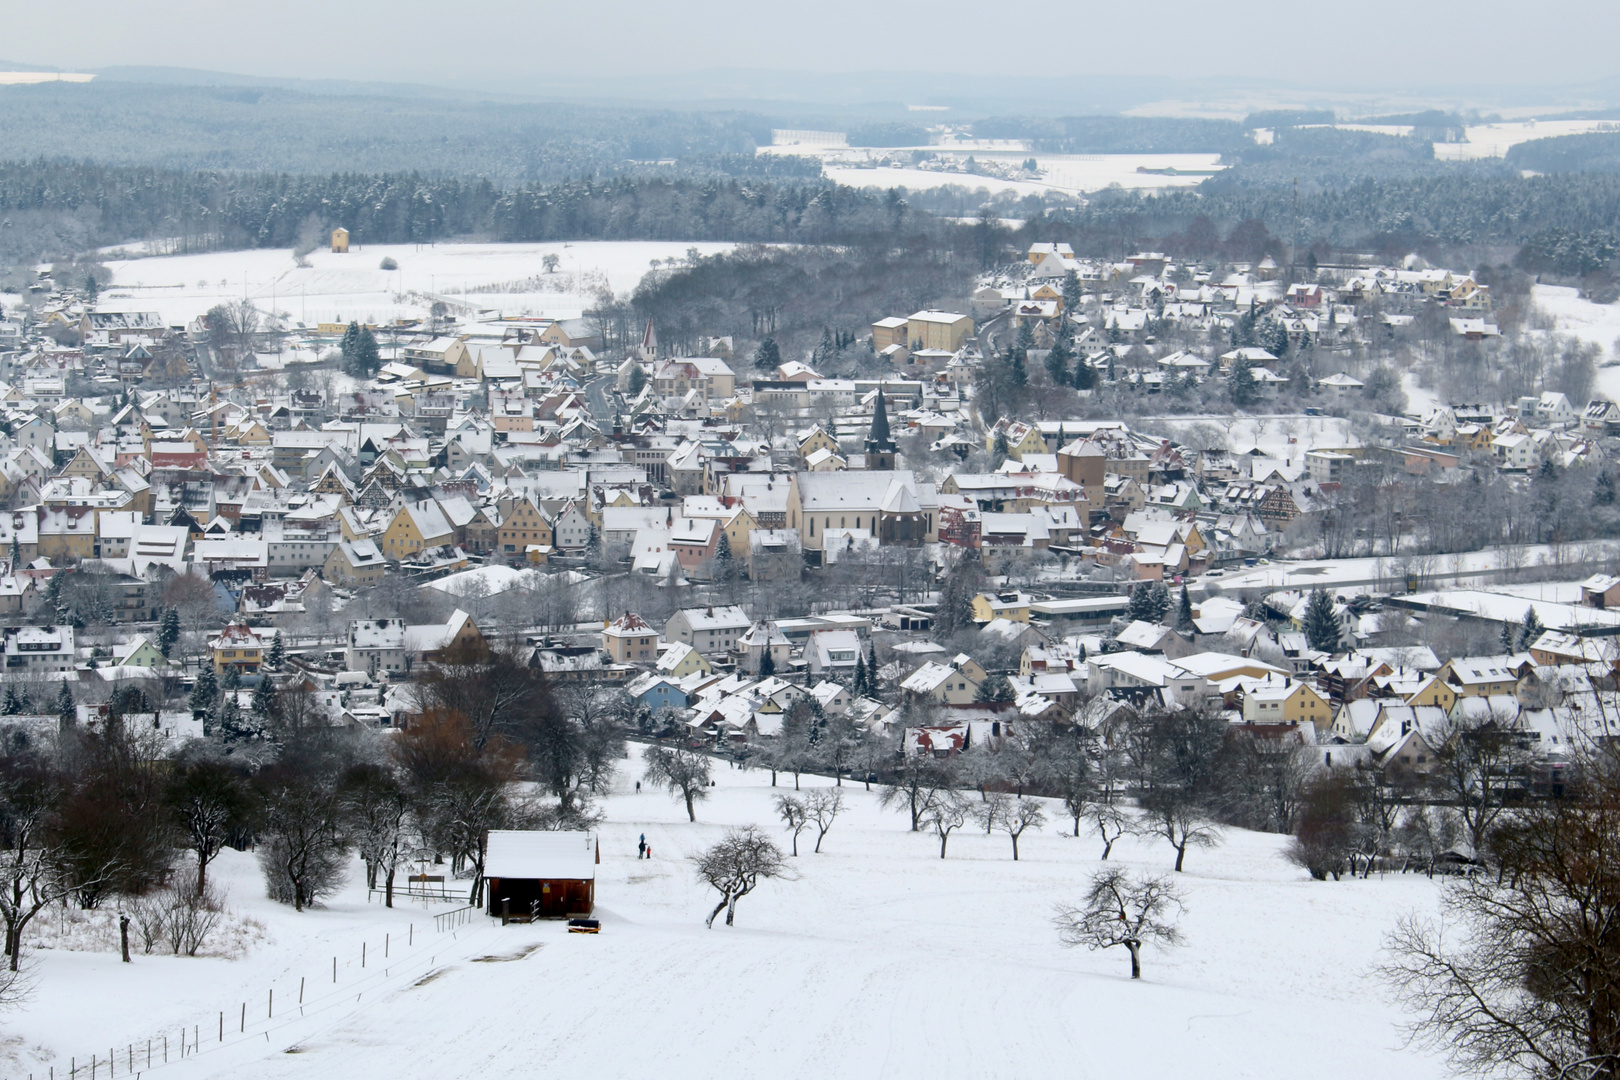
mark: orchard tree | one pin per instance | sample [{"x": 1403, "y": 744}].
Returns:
[
  {"x": 680, "y": 772},
  {"x": 1121, "y": 910},
  {"x": 736, "y": 865}
]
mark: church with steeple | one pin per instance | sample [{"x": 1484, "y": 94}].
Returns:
[{"x": 880, "y": 448}]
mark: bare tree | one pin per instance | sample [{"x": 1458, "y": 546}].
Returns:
[
  {"x": 947, "y": 812},
  {"x": 822, "y": 807},
  {"x": 1119, "y": 910},
  {"x": 735, "y": 865},
  {"x": 1476, "y": 769},
  {"x": 1180, "y": 820},
  {"x": 376, "y": 805},
  {"x": 1017, "y": 816},
  {"x": 302, "y": 847},
  {"x": 207, "y": 800},
  {"x": 1521, "y": 975},
  {"x": 31, "y": 875},
  {"x": 790, "y": 808},
  {"x": 917, "y": 783},
  {"x": 680, "y": 772}
]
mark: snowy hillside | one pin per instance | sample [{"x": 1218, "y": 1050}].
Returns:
[
  {"x": 880, "y": 960},
  {"x": 508, "y": 278}
]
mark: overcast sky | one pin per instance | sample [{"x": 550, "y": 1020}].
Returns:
[{"x": 1371, "y": 43}]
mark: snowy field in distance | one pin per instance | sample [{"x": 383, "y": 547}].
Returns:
[
  {"x": 1069, "y": 174},
  {"x": 1597, "y": 323},
  {"x": 881, "y": 960},
  {"x": 341, "y": 288},
  {"x": 1270, "y": 434}
]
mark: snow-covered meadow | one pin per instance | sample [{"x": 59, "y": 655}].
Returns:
[
  {"x": 879, "y": 960},
  {"x": 503, "y": 278}
]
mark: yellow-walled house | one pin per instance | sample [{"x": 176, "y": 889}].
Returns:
[
  {"x": 1013, "y": 607},
  {"x": 1286, "y": 701},
  {"x": 238, "y": 646},
  {"x": 1434, "y": 691},
  {"x": 417, "y": 526},
  {"x": 681, "y": 660}
]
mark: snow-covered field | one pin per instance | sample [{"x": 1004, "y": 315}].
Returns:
[
  {"x": 1493, "y": 140},
  {"x": 1069, "y": 174},
  {"x": 1282, "y": 437},
  {"x": 1597, "y": 323},
  {"x": 502, "y": 278},
  {"x": 880, "y": 960}
]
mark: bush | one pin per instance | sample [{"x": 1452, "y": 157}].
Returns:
[
  {"x": 177, "y": 916},
  {"x": 388, "y": 263}
]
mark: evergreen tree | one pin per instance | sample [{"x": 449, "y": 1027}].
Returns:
[
  {"x": 1071, "y": 294},
  {"x": 205, "y": 695},
  {"x": 638, "y": 381},
  {"x": 1509, "y": 634},
  {"x": 1025, "y": 340},
  {"x": 1159, "y": 597},
  {"x": 1085, "y": 376},
  {"x": 1603, "y": 493},
  {"x": 234, "y": 727},
  {"x": 232, "y": 680},
  {"x": 15, "y": 554},
  {"x": 12, "y": 704},
  {"x": 859, "y": 688},
  {"x": 1140, "y": 609},
  {"x": 1018, "y": 373},
  {"x": 1530, "y": 629},
  {"x": 264, "y": 698},
  {"x": 999, "y": 448},
  {"x": 1321, "y": 625},
  {"x": 1184, "y": 616},
  {"x": 1057, "y": 362},
  {"x": 277, "y": 652},
  {"x": 168, "y": 631},
  {"x": 1240, "y": 384},
  {"x": 66, "y": 711},
  {"x": 351, "y": 338},
  {"x": 767, "y": 663},
  {"x": 769, "y": 357},
  {"x": 825, "y": 349},
  {"x": 725, "y": 567},
  {"x": 996, "y": 688},
  {"x": 367, "y": 357}
]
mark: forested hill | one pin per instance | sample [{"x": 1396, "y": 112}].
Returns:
[
  {"x": 53, "y": 206},
  {"x": 268, "y": 128}
]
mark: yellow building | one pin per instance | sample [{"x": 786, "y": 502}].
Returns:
[
  {"x": 417, "y": 526},
  {"x": 1286, "y": 701},
  {"x": 238, "y": 646},
  {"x": 817, "y": 439},
  {"x": 340, "y": 240},
  {"x": 1013, "y": 607},
  {"x": 1434, "y": 691},
  {"x": 939, "y": 330},
  {"x": 522, "y": 525}
]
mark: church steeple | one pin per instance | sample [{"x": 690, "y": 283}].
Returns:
[{"x": 880, "y": 448}]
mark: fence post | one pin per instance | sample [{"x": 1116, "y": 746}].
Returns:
[
  {"x": 270, "y": 1009},
  {"x": 362, "y": 954},
  {"x": 385, "y": 946},
  {"x": 300, "y": 989},
  {"x": 410, "y": 930},
  {"x": 244, "y": 1016},
  {"x": 222, "y": 1025},
  {"x": 334, "y": 969}
]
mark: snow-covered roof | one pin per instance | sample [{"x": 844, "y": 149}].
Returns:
[{"x": 549, "y": 856}]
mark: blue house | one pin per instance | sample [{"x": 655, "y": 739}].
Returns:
[{"x": 658, "y": 692}]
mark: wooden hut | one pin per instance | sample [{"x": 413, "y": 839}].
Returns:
[{"x": 541, "y": 875}]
